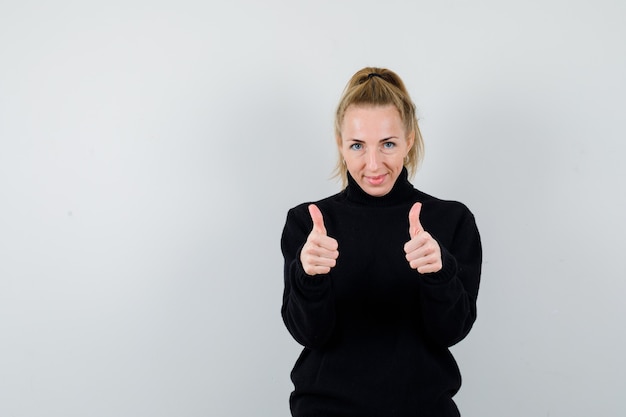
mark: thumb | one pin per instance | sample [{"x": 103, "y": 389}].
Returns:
[
  {"x": 318, "y": 219},
  {"x": 415, "y": 226}
]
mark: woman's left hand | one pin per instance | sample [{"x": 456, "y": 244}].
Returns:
[{"x": 422, "y": 251}]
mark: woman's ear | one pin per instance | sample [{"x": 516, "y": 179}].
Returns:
[
  {"x": 410, "y": 140},
  {"x": 339, "y": 143}
]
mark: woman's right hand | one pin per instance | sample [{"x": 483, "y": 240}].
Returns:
[{"x": 319, "y": 253}]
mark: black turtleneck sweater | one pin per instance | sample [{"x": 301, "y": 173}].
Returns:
[{"x": 375, "y": 332}]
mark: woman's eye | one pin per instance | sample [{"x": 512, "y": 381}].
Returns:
[
  {"x": 356, "y": 146},
  {"x": 388, "y": 145}
]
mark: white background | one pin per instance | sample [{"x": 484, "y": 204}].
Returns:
[{"x": 149, "y": 152}]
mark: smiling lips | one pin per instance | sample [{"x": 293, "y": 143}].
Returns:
[{"x": 377, "y": 180}]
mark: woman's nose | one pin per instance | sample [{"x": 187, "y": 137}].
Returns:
[{"x": 373, "y": 159}]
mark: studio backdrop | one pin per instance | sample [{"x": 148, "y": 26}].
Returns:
[{"x": 150, "y": 150}]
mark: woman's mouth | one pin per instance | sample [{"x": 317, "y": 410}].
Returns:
[{"x": 377, "y": 180}]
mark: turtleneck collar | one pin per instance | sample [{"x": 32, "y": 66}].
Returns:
[{"x": 400, "y": 192}]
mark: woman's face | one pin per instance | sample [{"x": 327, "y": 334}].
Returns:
[{"x": 374, "y": 143}]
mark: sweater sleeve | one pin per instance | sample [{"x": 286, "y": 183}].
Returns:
[
  {"x": 448, "y": 297},
  {"x": 308, "y": 309}
]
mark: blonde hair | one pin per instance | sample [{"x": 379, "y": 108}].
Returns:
[{"x": 372, "y": 86}]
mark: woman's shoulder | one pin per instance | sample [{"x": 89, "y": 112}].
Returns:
[
  {"x": 442, "y": 205},
  {"x": 448, "y": 220},
  {"x": 324, "y": 202},
  {"x": 300, "y": 212}
]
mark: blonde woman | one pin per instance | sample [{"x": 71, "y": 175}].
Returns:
[{"x": 381, "y": 278}]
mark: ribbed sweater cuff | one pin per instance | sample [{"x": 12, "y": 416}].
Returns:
[
  {"x": 310, "y": 285},
  {"x": 448, "y": 270}
]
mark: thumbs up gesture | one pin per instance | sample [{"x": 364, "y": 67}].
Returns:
[
  {"x": 319, "y": 253},
  {"x": 422, "y": 251}
]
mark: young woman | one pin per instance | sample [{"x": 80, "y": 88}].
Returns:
[{"x": 381, "y": 278}]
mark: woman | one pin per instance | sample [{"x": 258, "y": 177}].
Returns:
[{"x": 381, "y": 278}]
